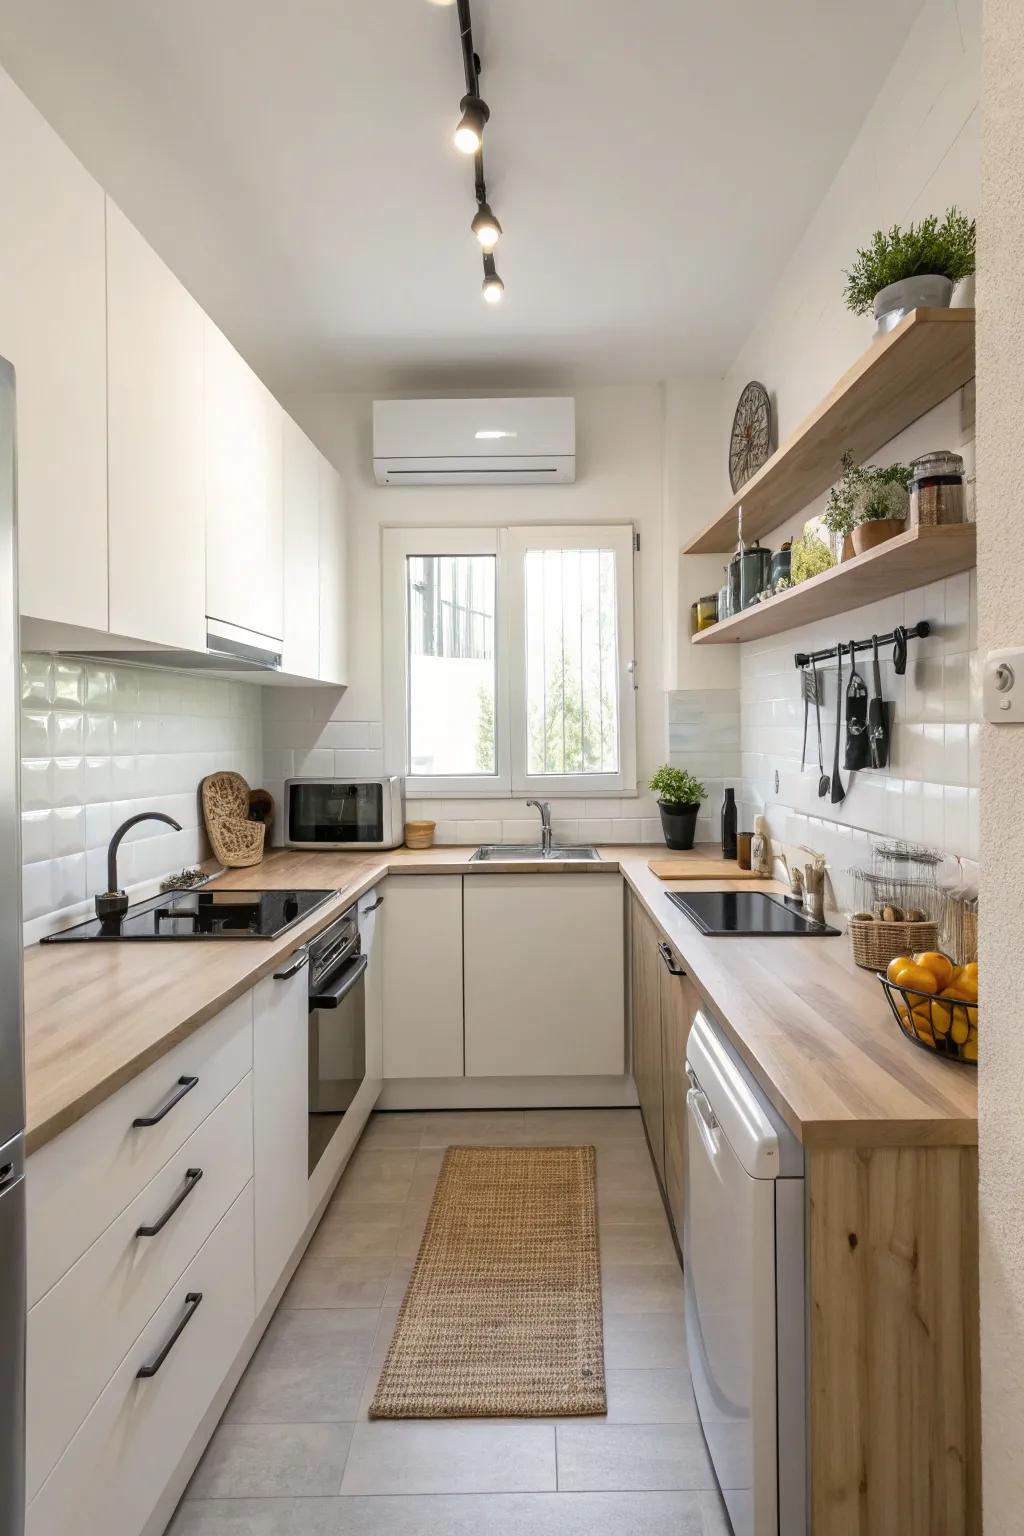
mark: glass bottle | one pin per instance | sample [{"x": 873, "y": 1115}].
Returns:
[{"x": 729, "y": 825}]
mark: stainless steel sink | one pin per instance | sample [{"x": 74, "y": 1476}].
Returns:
[{"x": 521, "y": 853}]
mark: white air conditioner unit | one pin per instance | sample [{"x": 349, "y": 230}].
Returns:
[{"x": 474, "y": 442}]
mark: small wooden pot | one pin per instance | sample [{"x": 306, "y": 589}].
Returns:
[
  {"x": 420, "y": 834},
  {"x": 869, "y": 535}
]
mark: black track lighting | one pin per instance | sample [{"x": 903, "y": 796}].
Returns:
[
  {"x": 494, "y": 288},
  {"x": 486, "y": 227},
  {"x": 469, "y": 135}
]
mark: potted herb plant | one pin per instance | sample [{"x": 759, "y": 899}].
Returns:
[
  {"x": 867, "y": 505},
  {"x": 903, "y": 268},
  {"x": 679, "y": 797}
]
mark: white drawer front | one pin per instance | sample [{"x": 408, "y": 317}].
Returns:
[
  {"x": 112, "y": 1474},
  {"x": 86, "y": 1176},
  {"x": 79, "y": 1332}
]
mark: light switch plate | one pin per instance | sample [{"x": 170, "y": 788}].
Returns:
[{"x": 1002, "y": 693}]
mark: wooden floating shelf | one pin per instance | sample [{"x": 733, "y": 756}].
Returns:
[
  {"x": 911, "y": 559},
  {"x": 928, "y": 356}
]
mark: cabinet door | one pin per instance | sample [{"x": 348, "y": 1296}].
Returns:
[
  {"x": 155, "y": 426},
  {"x": 301, "y": 655},
  {"x": 645, "y": 988},
  {"x": 244, "y": 493},
  {"x": 679, "y": 1003},
  {"x": 371, "y": 937},
  {"x": 423, "y": 977},
  {"x": 53, "y": 330},
  {"x": 333, "y": 567},
  {"x": 544, "y": 975},
  {"x": 280, "y": 1122}
]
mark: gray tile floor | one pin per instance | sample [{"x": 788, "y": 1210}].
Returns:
[{"x": 295, "y": 1454}]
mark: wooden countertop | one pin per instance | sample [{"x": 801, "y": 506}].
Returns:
[
  {"x": 813, "y": 1028},
  {"x": 817, "y": 1033}
]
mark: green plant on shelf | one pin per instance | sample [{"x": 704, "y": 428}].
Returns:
[
  {"x": 811, "y": 556},
  {"x": 865, "y": 494},
  {"x": 931, "y": 248},
  {"x": 674, "y": 786}
]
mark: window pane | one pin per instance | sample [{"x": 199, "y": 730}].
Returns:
[
  {"x": 451, "y": 663},
  {"x": 572, "y": 700}
]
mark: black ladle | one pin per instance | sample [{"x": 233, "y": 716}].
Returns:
[
  {"x": 836, "y": 790},
  {"x": 823, "y": 778}
]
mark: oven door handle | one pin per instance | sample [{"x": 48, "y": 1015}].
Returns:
[{"x": 334, "y": 994}]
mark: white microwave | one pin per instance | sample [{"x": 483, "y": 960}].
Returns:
[{"x": 344, "y": 813}]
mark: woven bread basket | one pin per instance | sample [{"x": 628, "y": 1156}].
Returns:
[
  {"x": 876, "y": 943},
  {"x": 420, "y": 834},
  {"x": 236, "y": 841}
]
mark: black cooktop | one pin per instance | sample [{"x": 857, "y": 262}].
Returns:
[
  {"x": 218, "y": 914},
  {"x": 746, "y": 914}
]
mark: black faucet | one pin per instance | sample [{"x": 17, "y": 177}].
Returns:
[{"x": 114, "y": 902}]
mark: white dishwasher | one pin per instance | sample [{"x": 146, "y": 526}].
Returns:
[{"x": 743, "y": 1256}]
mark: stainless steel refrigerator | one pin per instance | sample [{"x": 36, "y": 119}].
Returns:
[{"x": 12, "y": 1058}]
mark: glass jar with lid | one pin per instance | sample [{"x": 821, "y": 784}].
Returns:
[
  {"x": 937, "y": 489},
  {"x": 707, "y": 611}
]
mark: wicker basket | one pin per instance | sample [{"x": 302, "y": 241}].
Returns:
[
  {"x": 420, "y": 834},
  {"x": 876, "y": 943}
]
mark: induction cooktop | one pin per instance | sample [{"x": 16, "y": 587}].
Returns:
[
  {"x": 218, "y": 914},
  {"x": 746, "y": 914}
]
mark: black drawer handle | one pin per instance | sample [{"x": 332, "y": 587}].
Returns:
[
  {"x": 192, "y": 1301},
  {"x": 192, "y": 1177},
  {"x": 184, "y": 1085},
  {"x": 374, "y": 905},
  {"x": 670, "y": 965}
]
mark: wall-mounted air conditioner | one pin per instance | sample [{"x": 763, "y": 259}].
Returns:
[{"x": 474, "y": 442}]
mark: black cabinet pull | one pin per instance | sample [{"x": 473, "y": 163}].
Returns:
[
  {"x": 298, "y": 960},
  {"x": 192, "y": 1177},
  {"x": 184, "y": 1085},
  {"x": 666, "y": 954},
  {"x": 374, "y": 905},
  {"x": 192, "y": 1301}
]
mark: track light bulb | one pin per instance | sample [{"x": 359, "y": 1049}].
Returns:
[
  {"x": 469, "y": 135},
  {"x": 486, "y": 227},
  {"x": 494, "y": 288}
]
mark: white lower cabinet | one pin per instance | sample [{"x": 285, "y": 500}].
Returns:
[
  {"x": 544, "y": 975},
  {"x": 422, "y": 991},
  {"x": 280, "y": 1121},
  {"x": 113, "y": 1473}
]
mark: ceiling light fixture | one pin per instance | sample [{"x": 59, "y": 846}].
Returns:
[
  {"x": 469, "y": 135},
  {"x": 486, "y": 227},
  {"x": 494, "y": 288}
]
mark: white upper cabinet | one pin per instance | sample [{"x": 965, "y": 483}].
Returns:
[
  {"x": 52, "y": 328},
  {"x": 244, "y": 494},
  {"x": 156, "y": 452},
  {"x": 301, "y": 656},
  {"x": 333, "y": 564}
]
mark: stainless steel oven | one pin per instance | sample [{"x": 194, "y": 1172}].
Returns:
[
  {"x": 343, "y": 813},
  {"x": 337, "y": 1016}
]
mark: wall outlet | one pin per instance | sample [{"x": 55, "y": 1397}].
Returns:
[{"x": 1002, "y": 693}]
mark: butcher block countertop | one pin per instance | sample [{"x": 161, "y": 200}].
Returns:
[{"x": 814, "y": 1029}]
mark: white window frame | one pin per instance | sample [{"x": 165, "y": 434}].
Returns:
[{"x": 509, "y": 546}]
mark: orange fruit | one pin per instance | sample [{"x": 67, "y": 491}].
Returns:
[
  {"x": 941, "y": 967},
  {"x": 960, "y": 1030},
  {"x": 894, "y": 968},
  {"x": 969, "y": 1052},
  {"x": 962, "y": 991},
  {"x": 970, "y": 969},
  {"x": 942, "y": 1017},
  {"x": 918, "y": 978}
]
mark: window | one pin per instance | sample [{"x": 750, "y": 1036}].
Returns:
[{"x": 508, "y": 660}]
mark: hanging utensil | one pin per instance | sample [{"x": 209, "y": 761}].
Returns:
[
  {"x": 878, "y": 714},
  {"x": 823, "y": 778},
  {"x": 836, "y": 790},
  {"x": 899, "y": 650},
  {"x": 858, "y": 753},
  {"x": 807, "y": 684}
]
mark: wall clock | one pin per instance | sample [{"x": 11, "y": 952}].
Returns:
[{"x": 750, "y": 441}]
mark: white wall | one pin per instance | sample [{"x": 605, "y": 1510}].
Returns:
[
  {"x": 619, "y": 466},
  {"x": 917, "y": 152},
  {"x": 1001, "y": 623},
  {"x": 102, "y": 743}
]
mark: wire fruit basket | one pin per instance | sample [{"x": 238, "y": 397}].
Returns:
[{"x": 946, "y": 1026}]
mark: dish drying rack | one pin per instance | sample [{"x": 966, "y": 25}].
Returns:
[{"x": 905, "y": 875}]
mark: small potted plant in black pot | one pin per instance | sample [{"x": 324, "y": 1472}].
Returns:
[{"x": 679, "y": 797}]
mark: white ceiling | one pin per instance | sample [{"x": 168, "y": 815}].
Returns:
[{"x": 653, "y": 163}]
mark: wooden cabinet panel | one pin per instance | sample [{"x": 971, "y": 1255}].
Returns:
[
  {"x": 244, "y": 493},
  {"x": 544, "y": 976},
  {"x": 155, "y": 427},
  {"x": 53, "y": 330},
  {"x": 301, "y": 654},
  {"x": 679, "y": 1004},
  {"x": 422, "y": 992},
  {"x": 280, "y": 1044},
  {"x": 645, "y": 991},
  {"x": 333, "y": 577}
]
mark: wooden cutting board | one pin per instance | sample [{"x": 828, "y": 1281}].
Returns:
[{"x": 700, "y": 869}]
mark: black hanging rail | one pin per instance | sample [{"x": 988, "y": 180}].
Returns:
[{"x": 897, "y": 637}]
